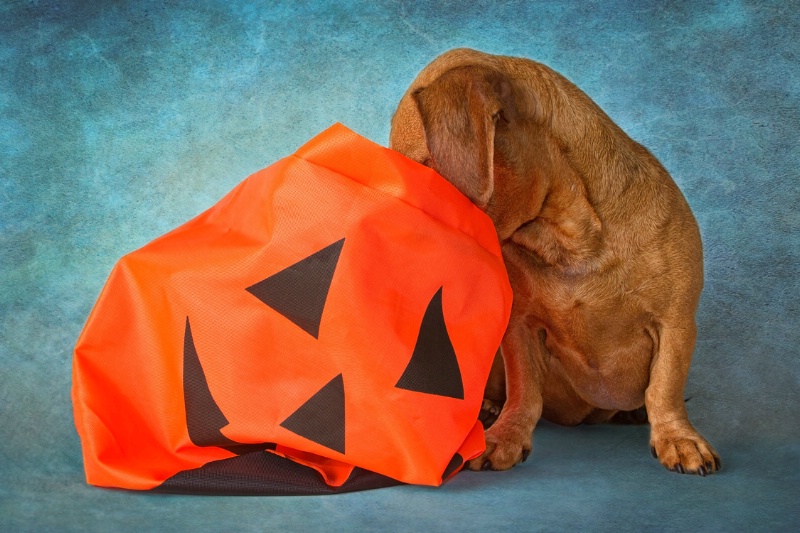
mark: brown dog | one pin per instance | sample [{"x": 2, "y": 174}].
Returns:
[{"x": 602, "y": 251}]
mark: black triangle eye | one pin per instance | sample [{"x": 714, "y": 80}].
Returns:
[
  {"x": 433, "y": 368},
  {"x": 298, "y": 292}
]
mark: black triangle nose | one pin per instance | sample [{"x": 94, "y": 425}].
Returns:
[{"x": 321, "y": 418}]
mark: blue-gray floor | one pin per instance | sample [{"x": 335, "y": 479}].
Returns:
[{"x": 120, "y": 120}]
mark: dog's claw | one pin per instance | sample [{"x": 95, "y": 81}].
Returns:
[
  {"x": 681, "y": 449},
  {"x": 525, "y": 455},
  {"x": 653, "y": 452},
  {"x": 487, "y": 465}
]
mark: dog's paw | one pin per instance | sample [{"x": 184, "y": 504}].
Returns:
[
  {"x": 680, "y": 448},
  {"x": 505, "y": 447},
  {"x": 489, "y": 412}
]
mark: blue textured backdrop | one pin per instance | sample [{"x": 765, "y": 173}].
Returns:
[{"x": 120, "y": 120}]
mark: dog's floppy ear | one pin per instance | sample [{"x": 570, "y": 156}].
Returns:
[{"x": 459, "y": 112}]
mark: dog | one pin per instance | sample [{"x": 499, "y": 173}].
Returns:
[{"x": 602, "y": 250}]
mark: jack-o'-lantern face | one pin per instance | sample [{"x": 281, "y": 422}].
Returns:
[{"x": 338, "y": 310}]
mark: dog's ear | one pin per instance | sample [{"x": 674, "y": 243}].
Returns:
[{"x": 460, "y": 111}]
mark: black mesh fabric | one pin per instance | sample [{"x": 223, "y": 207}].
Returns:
[{"x": 265, "y": 474}]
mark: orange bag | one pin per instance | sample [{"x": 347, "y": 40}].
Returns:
[{"x": 328, "y": 326}]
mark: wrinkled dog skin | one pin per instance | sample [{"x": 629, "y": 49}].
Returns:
[{"x": 602, "y": 250}]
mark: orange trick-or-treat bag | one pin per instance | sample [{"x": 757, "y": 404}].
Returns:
[{"x": 328, "y": 326}]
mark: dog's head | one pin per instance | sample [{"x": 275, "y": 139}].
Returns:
[{"x": 476, "y": 120}]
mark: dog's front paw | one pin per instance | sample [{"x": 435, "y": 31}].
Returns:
[
  {"x": 680, "y": 448},
  {"x": 505, "y": 447}
]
